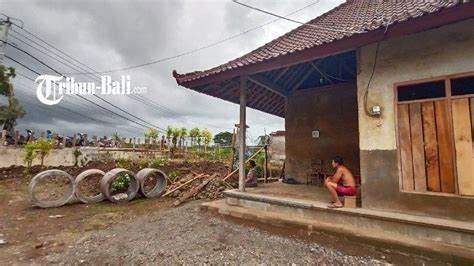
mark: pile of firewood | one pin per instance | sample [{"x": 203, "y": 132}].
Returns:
[{"x": 198, "y": 186}]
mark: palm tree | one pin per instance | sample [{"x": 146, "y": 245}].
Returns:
[
  {"x": 169, "y": 134},
  {"x": 207, "y": 137},
  {"x": 194, "y": 133},
  {"x": 175, "y": 134},
  {"x": 182, "y": 134}
]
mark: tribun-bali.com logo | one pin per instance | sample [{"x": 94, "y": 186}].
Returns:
[{"x": 50, "y": 89}]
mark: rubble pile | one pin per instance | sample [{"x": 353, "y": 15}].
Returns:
[{"x": 213, "y": 189}]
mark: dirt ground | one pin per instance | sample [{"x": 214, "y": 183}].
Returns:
[{"x": 152, "y": 231}]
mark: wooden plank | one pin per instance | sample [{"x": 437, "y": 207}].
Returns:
[
  {"x": 193, "y": 191},
  {"x": 182, "y": 185},
  {"x": 445, "y": 147},
  {"x": 471, "y": 104},
  {"x": 463, "y": 145},
  {"x": 418, "y": 153},
  {"x": 405, "y": 148},
  {"x": 431, "y": 147}
]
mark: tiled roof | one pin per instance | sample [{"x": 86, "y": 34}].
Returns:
[{"x": 350, "y": 18}]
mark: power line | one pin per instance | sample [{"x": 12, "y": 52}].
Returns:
[
  {"x": 184, "y": 53},
  {"x": 57, "y": 72},
  {"x": 135, "y": 97},
  {"x": 80, "y": 96},
  {"x": 72, "y": 103},
  {"x": 295, "y": 21},
  {"x": 24, "y": 93}
]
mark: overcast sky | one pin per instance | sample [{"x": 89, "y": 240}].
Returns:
[{"x": 115, "y": 34}]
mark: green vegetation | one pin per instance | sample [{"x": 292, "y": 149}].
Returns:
[
  {"x": 120, "y": 183},
  {"x": 43, "y": 148},
  {"x": 158, "y": 163},
  {"x": 223, "y": 138},
  {"x": 77, "y": 153},
  {"x": 10, "y": 113},
  {"x": 194, "y": 134},
  {"x": 152, "y": 135},
  {"x": 40, "y": 147}
]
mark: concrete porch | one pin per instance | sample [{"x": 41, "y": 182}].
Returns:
[{"x": 305, "y": 207}]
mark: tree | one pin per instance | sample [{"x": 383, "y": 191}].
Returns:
[
  {"x": 223, "y": 138},
  {"x": 175, "y": 134},
  {"x": 194, "y": 133},
  {"x": 263, "y": 140},
  {"x": 151, "y": 134},
  {"x": 183, "y": 132},
  {"x": 41, "y": 147},
  {"x": 9, "y": 114},
  {"x": 169, "y": 134},
  {"x": 207, "y": 137}
]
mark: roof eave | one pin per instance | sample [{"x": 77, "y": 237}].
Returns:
[{"x": 423, "y": 23}]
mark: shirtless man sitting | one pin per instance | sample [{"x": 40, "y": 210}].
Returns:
[{"x": 342, "y": 183}]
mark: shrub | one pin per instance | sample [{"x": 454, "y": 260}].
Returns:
[
  {"x": 76, "y": 153},
  {"x": 124, "y": 163},
  {"x": 120, "y": 183},
  {"x": 158, "y": 163},
  {"x": 29, "y": 156}
]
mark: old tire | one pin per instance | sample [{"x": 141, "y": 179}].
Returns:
[
  {"x": 55, "y": 203},
  {"x": 161, "y": 182},
  {"x": 81, "y": 196},
  {"x": 108, "y": 179}
]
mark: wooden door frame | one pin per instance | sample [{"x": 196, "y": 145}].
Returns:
[{"x": 448, "y": 97}]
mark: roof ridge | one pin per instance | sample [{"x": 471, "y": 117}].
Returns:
[{"x": 353, "y": 15}]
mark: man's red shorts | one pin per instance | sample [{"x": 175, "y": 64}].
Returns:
[{"x": 345, "y": 190}]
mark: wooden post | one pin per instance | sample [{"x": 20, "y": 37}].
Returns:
[
  {"x": 231, "y": 168},
  {"x": 17, "y": 135},
  {"x": 265, "y": 165},
  {"x": 63, "y": 145},
  {"x": 134, "y": 141},
  {"x": 74, "y": 141},
  {"x": 94, "y": 138},
  {"x": 86, "y": 143},
  {"x": 42, "y": 135},
  {"x": 242, "y": 135},
  {"x": 4, "y": 137}
]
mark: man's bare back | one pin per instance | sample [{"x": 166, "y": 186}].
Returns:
[{"x": 345, "y": 174}]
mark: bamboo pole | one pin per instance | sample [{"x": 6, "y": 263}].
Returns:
[
  {"x": 265, "y": 165},
  {"x": 174, "y": 189},
  {"x": 250, "y": 158}
]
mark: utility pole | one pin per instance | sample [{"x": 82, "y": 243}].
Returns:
[{"x": 4, "y": 28}]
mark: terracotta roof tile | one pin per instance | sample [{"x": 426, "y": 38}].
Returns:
[{"x": 358, "y": 16}]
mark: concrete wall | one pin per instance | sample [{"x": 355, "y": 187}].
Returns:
[
  {"x": 10, "y": 156},
  {"x": 277, "y": 148},
  {"x": 332, "y": 111},
  {"x": 443, "y": 51}
]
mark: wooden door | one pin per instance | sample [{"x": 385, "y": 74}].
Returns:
[{"x": 426, "y": 147}]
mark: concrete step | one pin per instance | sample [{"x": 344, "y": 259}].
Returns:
[{"x": 452, "y": 240}]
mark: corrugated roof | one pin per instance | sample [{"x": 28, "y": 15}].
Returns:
[{"x": 354, "y": 17}]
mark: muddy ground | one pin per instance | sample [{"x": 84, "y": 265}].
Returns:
[{"x": 152, "y": 231}]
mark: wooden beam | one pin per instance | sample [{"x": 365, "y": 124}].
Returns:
[
  {"x": 303, "y": 79},
  {"x": 283, "y": 72},
  {"x": 268, "y": 84},
  {"x": 293, "y": 78},
  {"x": 242, "y": 135},
  {"x": 320, "y": 72}
]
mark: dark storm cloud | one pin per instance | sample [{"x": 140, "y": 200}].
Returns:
[{"x": 114, "y": 34}]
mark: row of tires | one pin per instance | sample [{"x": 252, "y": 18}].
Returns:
[{"x": 136, "y": 185}]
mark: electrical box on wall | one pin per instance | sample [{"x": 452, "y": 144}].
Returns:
[{"x": 315, "y": 134}]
